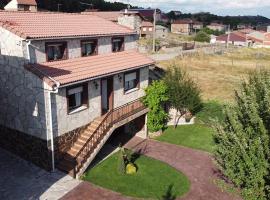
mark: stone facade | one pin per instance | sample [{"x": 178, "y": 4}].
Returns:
[
  {"x": 120, "y": 98},
  {"x": 22, "y": 95},
  {"x": 63, "y": 122},
  {"x": 131, "y": 21},
  {"x": 37, "y": 48}
]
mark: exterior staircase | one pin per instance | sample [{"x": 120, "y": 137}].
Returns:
[{"x": 91, "y": 140}]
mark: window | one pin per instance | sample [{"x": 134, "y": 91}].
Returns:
[
  {"x": 150, "y": 29},
  {"x": 56, "y": 51},
  {"x": 89, "y": 48},
  {"x": 77, "y": 98},
  {"x": 131, "y": 81},
  {"x": 117, "y": 44},
  {"x": 144, "y": 29}
]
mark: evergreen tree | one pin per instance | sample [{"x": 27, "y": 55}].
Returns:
[{"x": 243, "y": 138}]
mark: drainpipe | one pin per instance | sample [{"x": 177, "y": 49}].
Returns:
[{"x": 53, "y": 91}]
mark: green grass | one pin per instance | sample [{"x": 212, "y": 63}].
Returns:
[
  {"x": 211, "y": 110},
  {"x": 195, "y": 136},
  {"x": 152, "y": 180}
]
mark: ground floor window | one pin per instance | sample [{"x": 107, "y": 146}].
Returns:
[
  {"x": 77, "y": 98},
  {"x": 131, "y": 81}
]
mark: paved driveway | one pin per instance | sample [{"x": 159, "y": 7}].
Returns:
[
  {"x": 196, "y": 165},
  {"x": 22, "y": 180}
]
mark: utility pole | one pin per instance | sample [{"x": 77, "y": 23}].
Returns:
[
  {"x": 228, "y": 38},
  {"x": 58, "y": 6},
  {"x": 154, "y": 31}
]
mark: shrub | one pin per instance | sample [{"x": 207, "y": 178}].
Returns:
[
  {"x": 243, "y": 138},
  {"x": 131, "y": 169},
  {"x": 202, "y": 37},
  {"x": 211, "y": 110},
  {"x": 155, "y": 98},
  {"x": 121, "y": 161}
]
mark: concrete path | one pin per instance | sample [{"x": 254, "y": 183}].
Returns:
[
  {"x": 196, "y": 165},
  {"x": 22, "y": 180}
]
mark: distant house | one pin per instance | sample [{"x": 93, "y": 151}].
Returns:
[
  {"x": 235, "y": 38},
  {"x": 197, "y": 25},
  {"x": 147, "y": 29},
  {"x": 259, "y": 39},
  {"x": 21, "y": 5},
  {"x": 183, "y": 26},
  {"x": 161, "y": 31},
  {"x": 149, "y": 14},
  {"x": 217, "y": 27},
  {"x": 130, "y": 19}
]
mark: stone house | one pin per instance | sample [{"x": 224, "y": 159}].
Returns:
[
  {"x": 21, "y": 5},
  {"x": 183, "y": 26},
  {"x": 147, "y": 29},
  {"x": 217, "y": 27},
  {"x": 130, "y": 19},
  {"x": 161, "y": 31},
  {"x": 67, "y": 81}
]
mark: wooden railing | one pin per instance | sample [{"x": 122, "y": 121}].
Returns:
[{"x": 112, "y": 117}]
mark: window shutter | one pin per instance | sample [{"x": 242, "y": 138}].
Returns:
[
  {"x": 138, "y": 78},
  {"x": 85, "y": 94}
]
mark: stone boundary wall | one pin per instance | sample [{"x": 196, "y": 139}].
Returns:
[{"x": 28, "y": 147}]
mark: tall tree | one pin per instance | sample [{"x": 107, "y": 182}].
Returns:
[{"x": 243, "y": 138}]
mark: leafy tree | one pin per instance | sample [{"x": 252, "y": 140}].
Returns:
[
  {"x": 202, "y": 37},
  {"x": 184, "y": 94},
  {"x": 243, "y": 138},
  {"x": 155, "y": 99}
]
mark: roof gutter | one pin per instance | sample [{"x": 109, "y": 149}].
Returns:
[
  {"x": 76, "y": 37},
  {"x": 53, "y": 91}
]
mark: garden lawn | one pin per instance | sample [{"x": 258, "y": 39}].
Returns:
[
  {"x": 152, "y": 180},
  {"x": 196, "y": 136}
]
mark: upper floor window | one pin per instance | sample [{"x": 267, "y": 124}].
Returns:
[
  {"x": 131, "y": 80},
  {"x": 117, "y": 44},
  {"x": 89, "y": 47},
  {"x": 22, "y": 7},
  {"x": 56, "y": 51},
  {"x": 77, "y": 98}
]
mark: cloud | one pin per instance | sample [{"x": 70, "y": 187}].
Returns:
[{"x": 236, "y": 7}]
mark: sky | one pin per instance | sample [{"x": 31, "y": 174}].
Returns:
[{"x": 219, "y": 7}]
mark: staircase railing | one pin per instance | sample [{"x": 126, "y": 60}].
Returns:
[{"x": 112, "y": 117}]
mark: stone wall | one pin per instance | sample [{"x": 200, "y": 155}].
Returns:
[
  {"x": 37, "y": 48},
  {"x": 63, "y": 122},
  {"x": 23, "y": 100},
  {"x": 131, "y": 21},
  {"x": 26, "y": 146},
  {"x": 120, "y": 98}
]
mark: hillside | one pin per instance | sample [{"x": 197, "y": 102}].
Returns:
[
  {"x": 207, "y": 18},
  {"x": 75, "y": 5}
]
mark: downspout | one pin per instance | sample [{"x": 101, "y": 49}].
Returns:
[{"x": 53, "y": 91}]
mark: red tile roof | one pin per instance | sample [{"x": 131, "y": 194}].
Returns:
[
  {"x": 147, "y": 24},
  {"x": 77, "y": 69},
  {"x": 35, "y": 25},
  {"x": 27, "y": 2},
  {"x": 183, "y": 21},
  {"x": 234, "y": 37},
  {"x": 111, "y": 16}
]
